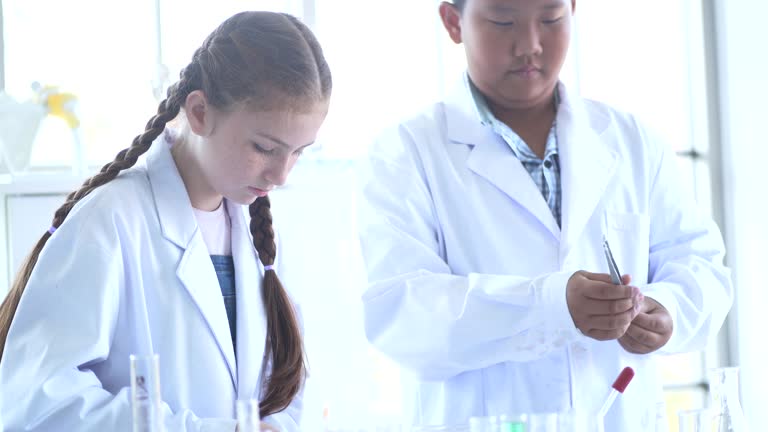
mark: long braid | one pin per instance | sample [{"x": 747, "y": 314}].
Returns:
[
  {"x": 166, "y": 111},
  {"x": 284, "y": 349}
]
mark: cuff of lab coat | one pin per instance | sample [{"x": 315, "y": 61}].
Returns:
[
  {"x": 218, "y": 425},
  {"x": 663, "y": 295},
  {"x": 554, "y": 300}
]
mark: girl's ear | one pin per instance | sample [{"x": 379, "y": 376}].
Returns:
[
  {"x": 199, "y": 113},
  {"x": 451, "y": 18}
]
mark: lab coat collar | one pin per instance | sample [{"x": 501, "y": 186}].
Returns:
[
  {"x": 179, "y": 226},
  {"x": 251, "y": 317},
  {"x": 174, "y": 208},
  {"x": 587, "y": 163},
  {"x": 463, "y": 120},
  {"x": 492, "y": 159}
]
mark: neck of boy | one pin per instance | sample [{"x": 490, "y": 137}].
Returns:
[
  {"x": 532, "y": 123},
  {"x": 538, "y": 111}
]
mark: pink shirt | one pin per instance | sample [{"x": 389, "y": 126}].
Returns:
[{"x": 216, "y": 229}]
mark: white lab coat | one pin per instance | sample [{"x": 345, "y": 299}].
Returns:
[
  {"x": 467, "y": 266},
  {"x": 129, "y": 273}
]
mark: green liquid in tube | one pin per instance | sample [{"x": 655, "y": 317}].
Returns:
[{"x": 513, "y": 427}]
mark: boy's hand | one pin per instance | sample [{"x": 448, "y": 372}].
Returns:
[
  {"x": 650, "y": 330},
  {"x": 600, "y": 309}
]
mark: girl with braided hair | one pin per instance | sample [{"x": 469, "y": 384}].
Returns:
[{"x": 154, "y": 255}]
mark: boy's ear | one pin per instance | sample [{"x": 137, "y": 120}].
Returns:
[{"x": 451, "y": 18}]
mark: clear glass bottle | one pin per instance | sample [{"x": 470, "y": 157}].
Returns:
[
  {"x": 484, "y": 424},
  {"x": 146, "y": 406},
  {"x": 724, "y": 399},
  {"x": 440, "y": 428},
  {"x": 697, "y": 420},
  {"x": 661, "y": 422}
]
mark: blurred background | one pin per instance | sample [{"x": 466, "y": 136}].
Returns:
[{"x": 692, "y": 69}]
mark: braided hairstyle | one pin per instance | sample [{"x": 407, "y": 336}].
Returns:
[{"x": 259, "y": 60}]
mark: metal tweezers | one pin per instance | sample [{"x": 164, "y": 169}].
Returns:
[{"x": 612, "y": 267}]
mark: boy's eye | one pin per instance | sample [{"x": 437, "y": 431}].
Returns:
[{"x": 502, "y": 23}]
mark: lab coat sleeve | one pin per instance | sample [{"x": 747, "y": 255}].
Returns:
[
  {"x": 64, "y": 324},
  {"x": 432, "y": 322},
  {"x": 686, "y": 271}
]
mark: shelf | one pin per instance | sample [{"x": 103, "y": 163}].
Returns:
[{"x": 39, "y": 183}]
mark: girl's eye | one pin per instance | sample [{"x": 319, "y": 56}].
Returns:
[{"x": 261, "y": 149}]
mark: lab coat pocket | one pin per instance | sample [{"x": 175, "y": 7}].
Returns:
[{"x": 629, "y": 237}]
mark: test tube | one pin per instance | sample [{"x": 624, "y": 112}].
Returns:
[
  {"x": 512, "y": 423},
  {"x": 146, "y": 412},
  {"x": 698, "y": 420},
  {"x": 248, "y": 419}
]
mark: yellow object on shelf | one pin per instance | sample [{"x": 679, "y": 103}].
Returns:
[
  {"x": 62, "y": 105},
  {"x": 59, "y": 104},
  {"x": 65, "y": 106}
]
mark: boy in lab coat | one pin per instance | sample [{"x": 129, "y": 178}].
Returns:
[{"x": 482, "y": 223}]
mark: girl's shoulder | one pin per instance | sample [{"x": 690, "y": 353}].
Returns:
[{"x": 127, "y": 197}]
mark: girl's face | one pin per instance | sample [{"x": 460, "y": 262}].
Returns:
[
  {"x": 515, "y": 48},
  {"x": 244, "y": 154}
]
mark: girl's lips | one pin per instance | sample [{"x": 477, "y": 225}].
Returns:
[{"x": 258, "y": 192}]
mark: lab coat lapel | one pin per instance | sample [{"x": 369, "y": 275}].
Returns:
[
  {"x": 492, "y": 159},
  {"x": 495, "y": 162},
  {"x": 251, "y": 319},
  {"x": 587, "y": 163},
  {"x": 195, "y": 269}
]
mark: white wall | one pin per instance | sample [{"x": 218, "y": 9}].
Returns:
[
  {"x": 743, "y": 68},
  {"x": 315, "y": 217}
]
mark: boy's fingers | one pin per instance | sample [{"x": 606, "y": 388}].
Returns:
[
  {"x": 597, "y": 277},
  {"x": 609, "y": 291}
]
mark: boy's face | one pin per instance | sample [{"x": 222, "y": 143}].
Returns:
[{"x": 515, "y": 48}]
